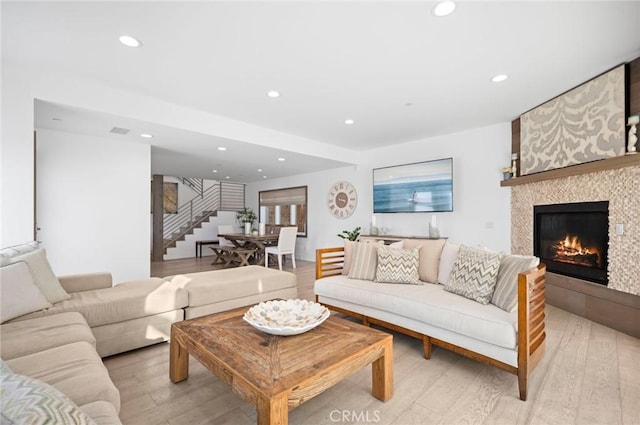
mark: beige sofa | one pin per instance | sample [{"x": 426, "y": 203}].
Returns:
[
  {"x": 58, "y": 350},
  {"x": 55, "y": 330},
  {"x": 502, "y": 326}
]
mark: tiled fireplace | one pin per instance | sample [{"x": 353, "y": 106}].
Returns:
[
  {"x": 618, "y": 262},
  {"x": 572, "y": 239}
]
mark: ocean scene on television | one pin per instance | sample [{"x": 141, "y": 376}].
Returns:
[{"x": 419, "y": 187}]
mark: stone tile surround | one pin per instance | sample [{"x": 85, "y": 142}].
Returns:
[{"x": 621, "y": 187}]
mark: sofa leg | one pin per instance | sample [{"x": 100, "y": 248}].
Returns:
[
  {"x": 426, "y": 346},
  {"x": 522, "y": 384}
]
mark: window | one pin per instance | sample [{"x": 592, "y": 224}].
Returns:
[{"x": 283, "y": 208}]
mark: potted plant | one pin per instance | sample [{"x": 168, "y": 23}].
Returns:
[
  {"x": 350, "y": 235},
  {"x": 246, "y": 216}
]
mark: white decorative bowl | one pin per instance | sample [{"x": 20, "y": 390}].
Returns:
[{"x": 286, "y": 317}]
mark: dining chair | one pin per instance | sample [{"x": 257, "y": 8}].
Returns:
[{"x": 286, "y": 245}]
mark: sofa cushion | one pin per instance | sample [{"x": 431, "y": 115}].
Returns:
[
  {"x": 23, "y": 337},
  {"x": 364, "y": 261},
  {"x": 101, "y": 412},
  {"x": 18, "y": 292},
  {"x": 25, "y": 400},
  {"x": 398, "y": 265},
  {"x": 128, "y": 300},
  {"x": 43, "y": 276},
  {"x": 505, "y": 295},
  {"x": 447, "y": 260},
  {"x": 430, "y": 252},
  {"x": 75, "y": 369},
  {"x": 474, "y": 274},
  {"x": 221, "y": 285},
  {"x": 429, "y": 304}
]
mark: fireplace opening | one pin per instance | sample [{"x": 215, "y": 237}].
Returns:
[{"x": 573, "y": 239}]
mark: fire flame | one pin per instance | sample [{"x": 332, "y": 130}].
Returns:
[{"x": 570, "y": 249}]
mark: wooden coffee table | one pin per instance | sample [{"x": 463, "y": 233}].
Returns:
[{"x": 277, "y": 373}]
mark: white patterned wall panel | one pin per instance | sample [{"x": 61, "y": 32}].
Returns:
[{"x": 583, "y": 125}]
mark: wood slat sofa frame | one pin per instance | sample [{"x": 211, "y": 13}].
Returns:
[{"x": 531, "y": 324}]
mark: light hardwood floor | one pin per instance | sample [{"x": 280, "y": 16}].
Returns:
[{"x": 590, "y": 374}]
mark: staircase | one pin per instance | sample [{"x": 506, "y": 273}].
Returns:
[{"x": 191, "y": 215}]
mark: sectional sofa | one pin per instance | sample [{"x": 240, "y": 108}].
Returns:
[
  {"x": 483, "y": 305},
  {"x": 55, "y": 330}
]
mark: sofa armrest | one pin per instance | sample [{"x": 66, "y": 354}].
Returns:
[
  {"x": 86, "y": 282},
  {"x": 531, "y": 323},
  {"x": 329, "y": 262}
]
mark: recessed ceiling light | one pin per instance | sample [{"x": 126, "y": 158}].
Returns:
[
  {"x": 499, "y": 78},
  {"x": 129, "y": 41},
  {"x": 146, "y": 135},
  {"x": 214, "y": 171},
  {"x": 259, "y": 170},
  {"x": 273, "y": 93},
  {"x": 281, "y": 159},
  {"x": 349, "y": 122},
  {"x": 264, "y": 177},
  {"x": 222, "y": 148},
  {"x": 444, "y": 8},
  {"x": 227, "y": 177}
]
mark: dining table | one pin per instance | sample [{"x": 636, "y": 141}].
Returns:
[{"x": 259, "y": 242}]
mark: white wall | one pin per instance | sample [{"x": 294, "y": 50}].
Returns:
[
  {"x": 93, "y": 202},
  {"x": 481, "y": 207}
]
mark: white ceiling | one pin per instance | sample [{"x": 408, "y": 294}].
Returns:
[{"x": 401, "y": 73}]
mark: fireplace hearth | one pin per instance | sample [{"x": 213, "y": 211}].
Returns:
[{"x": 572, "y": 239}]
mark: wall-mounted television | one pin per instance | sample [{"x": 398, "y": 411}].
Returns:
[{"x": 419, "y": 187}]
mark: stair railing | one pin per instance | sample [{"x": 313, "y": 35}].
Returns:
[
  {"x": 222, "y": 196},
  {"x": 197, "y": 185}
]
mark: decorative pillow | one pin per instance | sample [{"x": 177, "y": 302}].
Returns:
[
  {"x": 505, "y": 295},
  {"x": 447, "y": 260},
  {"x": 348, "y": 254},
  {"x": 43, "y": 276},
  {"x": 364, "y": 261},
  {"x": 430, "y": 253},
  {"x": 6, "y": 254},
  {"x": 398, "y": 265},
  {"x": 18, "y": 292},
  {"x": 474, "y": 274},
  {"x": 26, "y": 400}
]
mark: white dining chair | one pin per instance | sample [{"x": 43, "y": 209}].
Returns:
[{"x": 286, "y": 245}]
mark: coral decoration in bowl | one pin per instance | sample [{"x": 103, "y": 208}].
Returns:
[{"x": 286, "y": 317}]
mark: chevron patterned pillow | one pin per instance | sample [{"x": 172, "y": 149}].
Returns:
[
  {"x": 398, "y": 265},
  {"x": 26, "y": 400},
  {"x": 474, "y": 274}
]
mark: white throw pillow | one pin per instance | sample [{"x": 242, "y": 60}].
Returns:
[
  {"x": 43, "y": 276},
  {"x": 18, "y": 292},
  {"x": 398, "y": 265},
  {"x": 7, "y": 254},
  {"x": 447, "y": 260}
]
